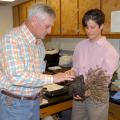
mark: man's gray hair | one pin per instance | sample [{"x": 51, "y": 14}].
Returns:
[{"x": 41, "y": 10}]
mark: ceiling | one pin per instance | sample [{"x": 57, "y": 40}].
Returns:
[{"x": 12, "y": 3}]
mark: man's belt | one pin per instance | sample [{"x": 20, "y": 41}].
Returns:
[{"x": 20, "y": 97}]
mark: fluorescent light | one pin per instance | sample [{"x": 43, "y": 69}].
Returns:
[{"x": 8, "y": 0}]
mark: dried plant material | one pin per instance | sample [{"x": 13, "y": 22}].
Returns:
[
  {"x": 97, "y": 84},
  {"x": 77, "y": 87}
]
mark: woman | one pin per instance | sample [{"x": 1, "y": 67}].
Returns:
[{"x": 89, "y": 53}]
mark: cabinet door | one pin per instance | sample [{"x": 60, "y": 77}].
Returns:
[
  {"x": 29, "y": 4},
  {"x": 15, "y": 16},
  {"x": 55, "y": 4},
  {"x": 108, "y": 6},
  {"x": 85, "y": 5},
  {"x": 114, "y": 111},
  {"x": 22, "y": 12},
  {"x": 69, "y": 17},
  {"x": 41, "y": 1}
]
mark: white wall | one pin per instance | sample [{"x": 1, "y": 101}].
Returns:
[{"x": 6, "y": 19}]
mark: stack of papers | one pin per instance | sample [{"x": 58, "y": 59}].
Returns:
[
  {"x": 53, "y": 87},
  {"x": 116, "y": 96}
]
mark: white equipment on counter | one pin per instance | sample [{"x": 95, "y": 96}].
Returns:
[{"x": 65, "y": 61}]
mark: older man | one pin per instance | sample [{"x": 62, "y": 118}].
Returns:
[{"x": 22, "y": 66}]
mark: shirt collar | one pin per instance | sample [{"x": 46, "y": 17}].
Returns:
[
  {"x": 29, "y": 36},
  {"x": 101, "y": 41}
]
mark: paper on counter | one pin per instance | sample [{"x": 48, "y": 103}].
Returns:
[
  {"x": 115, "y": 21},
  {"x": 116, "y": 96},
  {"x": 53, "y": 87},
  {"x": 44, "y": 101}
]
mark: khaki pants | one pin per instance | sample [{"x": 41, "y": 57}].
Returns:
[{"x": 88, "y": 110}]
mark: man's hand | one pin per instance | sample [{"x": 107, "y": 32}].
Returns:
[
  {"x": 70, "y": 72},
  {"x": 59, "y": 77}
]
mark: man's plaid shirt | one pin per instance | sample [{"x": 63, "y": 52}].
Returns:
[{"x": 22, "y": 62}]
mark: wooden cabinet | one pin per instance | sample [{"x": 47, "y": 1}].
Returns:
[
  {"x": 72, "y": 12},
  {"x": 15, "y": 16},
  {"x": 108, "y": 6},
  {"x": 69, "y": 17},
  {"x": 85, "y": 5},
  {"x": 41, "y": 1},
  {"x": 53, "y": 109},
  {"x": 69, "y": 14},
  {"x": 29, "y": 4},
  {"x": 114, "y": 111},
  {"x": 55, "y": 4},
  {"x": 23, "y": 10}
]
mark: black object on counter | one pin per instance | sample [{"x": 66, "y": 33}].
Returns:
[
  {"x": 57, "y": 92},
  {"x": 52, "y": 59}
]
